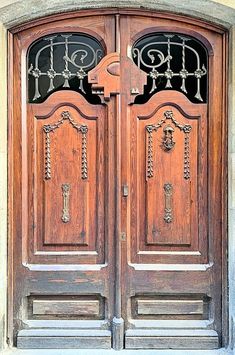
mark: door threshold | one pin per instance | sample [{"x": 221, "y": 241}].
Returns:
[{"x": 15, "y": 351}]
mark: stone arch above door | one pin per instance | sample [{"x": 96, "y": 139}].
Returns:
[{"x": 16, "y": 12}]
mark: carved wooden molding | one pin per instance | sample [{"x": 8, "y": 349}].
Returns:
[
  {"x": 105, "y": 77},
  {"x": 83, "y": 129},
  {"x": 136, "y": 80},
  {"x": 168, "y": 143}
]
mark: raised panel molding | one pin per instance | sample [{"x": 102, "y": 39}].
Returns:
[
  {"x": 170, "y": 307},
  {"x": 66, "y": 307},
  {"x": 68, "y": 151},
  {"x": 166, "y": 181}
]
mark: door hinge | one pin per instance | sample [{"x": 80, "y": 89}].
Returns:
[{"x": 123, "y": 236}]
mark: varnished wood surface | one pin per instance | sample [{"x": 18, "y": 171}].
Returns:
[
  {"x": 111, "y": 231},
  {"x": 41, "y": 238},
  {"x": 185, "y": 236},
  {"x": 198, "y": 202}
]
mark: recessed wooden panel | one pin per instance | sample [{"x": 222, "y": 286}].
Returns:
[
  {"x": 169, "y": 307},
  {"x": 67, "y": 160},
  {"x": 67, "y": 153},
  {"x": 168, "y": 157},
  {"x": 65, "y": 225},
  {"x": 66, "y": 307},
  {"x": 171, "y": 183}
]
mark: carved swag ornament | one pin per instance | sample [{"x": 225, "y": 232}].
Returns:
[
  {"x": 167, "y": 142},
  {"x": 49, "y": 128}
]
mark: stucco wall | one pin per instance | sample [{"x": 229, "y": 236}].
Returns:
[
  {"x": 14, "y": 12},
  {"x": 3, "y": 183}
]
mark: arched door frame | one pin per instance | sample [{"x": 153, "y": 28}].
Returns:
[{"x": 179, "y": 18}]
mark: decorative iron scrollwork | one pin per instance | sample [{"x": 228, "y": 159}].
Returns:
[
  {"x": 65, "y": 212},
  {"x": 168, "y": 190},
  {"x": 83, "y": 129},
  {"x": 169, "y": 56},
  {"x": 168, "y": 142},
  {"x": 59, "y": 58}
]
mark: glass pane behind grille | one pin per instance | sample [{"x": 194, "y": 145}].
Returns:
[
  {"x": 61, "y": 62},
  {"x": 173, "y": 62}
]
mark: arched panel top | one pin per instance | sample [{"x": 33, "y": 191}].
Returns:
[
  {"x": 176, "y": 99},
  {"x": 62, "y": 61},
  {"x": 172, "y": 61},
  {"x": 65, "y": 98}
]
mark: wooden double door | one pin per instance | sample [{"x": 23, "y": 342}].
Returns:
[{"x": 117, "y": 182}]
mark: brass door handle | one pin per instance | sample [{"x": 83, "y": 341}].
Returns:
[{"x": 65, "y": 212}]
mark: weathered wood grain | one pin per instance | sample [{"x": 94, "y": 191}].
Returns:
[
  {"x": 171, "y": 339},
  {"x": 169, "y": 307},
  {"x": 67, "y": 339},
  {"x": 66, "y": 307}
]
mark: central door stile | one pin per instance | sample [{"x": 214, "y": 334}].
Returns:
[
  {"x": 118, "y": 322},
  {"x": 105, "y": 80},
  {"x": 132, "y": 84}
]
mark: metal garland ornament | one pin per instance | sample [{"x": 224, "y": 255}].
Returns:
[
  {"x": 158, "y": 60},
  {"x": 76, "y": 63},
  {"x": 167, "y": 142},
  {"x": 83, "y": 129}
]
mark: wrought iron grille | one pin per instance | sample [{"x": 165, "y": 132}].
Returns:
[
  {"x": 172, "y": 61},
  {"x": 61, "y": 61}
]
